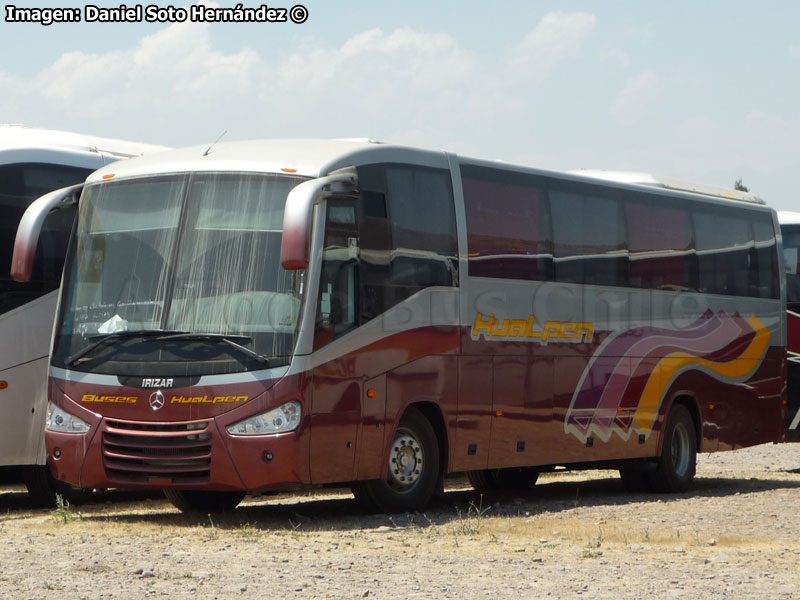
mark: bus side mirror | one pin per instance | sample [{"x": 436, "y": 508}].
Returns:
[
  {"x": 296, "y": 240},
  {"x": 30, "y": 226}
]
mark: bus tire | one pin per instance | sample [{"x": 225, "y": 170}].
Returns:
[
  {"x": 204, "y": 501},
  {"x": 414, "y": 465},
  {"x": 43, "y": 488},
  {"x": 511, "y": 479},
  {"x": 675, "y": 468}
]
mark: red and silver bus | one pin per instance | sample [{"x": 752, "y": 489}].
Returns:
[
  {"x": 33, "y": 162},
  {"x": 790, "y": 230},
  {"x": 261, "y": 315}
]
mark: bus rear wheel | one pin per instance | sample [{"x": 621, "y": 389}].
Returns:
[
  {"x": 414, "y": 465},
  {"x": 676, "y": 467},
  {"x": 512, "y": 479},
  {"x": 204, "y": 501}
]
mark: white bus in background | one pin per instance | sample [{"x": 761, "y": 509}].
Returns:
[
  {"x": 34, "y": 162},
  {"x": 790, "y": 231}
]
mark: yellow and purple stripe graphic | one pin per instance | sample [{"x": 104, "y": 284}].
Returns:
[{"x": 624, "y": 384}]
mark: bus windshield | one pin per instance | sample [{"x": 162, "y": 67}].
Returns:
[{"x": 194, "y": 256}]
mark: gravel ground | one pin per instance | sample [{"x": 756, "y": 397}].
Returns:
[{"x": 736, "y": 535}]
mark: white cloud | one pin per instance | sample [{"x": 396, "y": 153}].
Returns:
[
  {"x": 557, "y": 37},
  {"x": 174, "y": 75},
  {"x": 175, "y": 87},
  {"x": 635, "y": 101}
]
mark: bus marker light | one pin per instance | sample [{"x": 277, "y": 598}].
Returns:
[
  {"x": 3, "y": 385},
  {"x": 108, "y": 176},
  {"x": 710, "y": 407},
  {"x": 57, "y": 453},
  {"x": 288, "y": 170},
  {"x": 371, "y": 393},
  {"x": 499, "y": 413},
  {"x": 268, "y": 456}
]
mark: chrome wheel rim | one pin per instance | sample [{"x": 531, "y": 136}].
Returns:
[
  {"x": 680, "y": 450},
  {"x": 405, "y": 461}
]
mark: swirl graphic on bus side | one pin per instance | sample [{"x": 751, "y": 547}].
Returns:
[{"x": 624, "y": 384}]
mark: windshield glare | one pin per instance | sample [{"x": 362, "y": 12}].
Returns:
[{"x": 195, "y": 253}]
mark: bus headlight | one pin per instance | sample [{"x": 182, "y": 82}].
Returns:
[
  {"x": 280, "y": 419},
  {"x": 61, "y": 421}
]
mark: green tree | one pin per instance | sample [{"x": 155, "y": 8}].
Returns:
[{"x": 739, "y": 186}]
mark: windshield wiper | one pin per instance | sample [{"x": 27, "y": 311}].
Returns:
[
  {"x": 231, "y": 340},
  {"x": 103, "y": 339}
]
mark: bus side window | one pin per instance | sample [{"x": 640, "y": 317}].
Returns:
[{"x": 337, "y": 302}]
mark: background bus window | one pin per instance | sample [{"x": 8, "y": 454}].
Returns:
[
  {"x": 21, "y": 184},
  {"x": 661, "y": 246},
  {"x": 508, "y": 225},
  {"x": 589, "y": 244},
  {"x": 791, "y": 260}
]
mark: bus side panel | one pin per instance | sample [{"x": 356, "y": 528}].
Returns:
[
  {"x": 371, "y": 438},
  {"x": 26, "y": 333},
  {"x": 605, "y": 429},
  {"x": 335, "y": 416},
  {"x": 473, "y": 428},
  {"x": 522, "y": 411}
]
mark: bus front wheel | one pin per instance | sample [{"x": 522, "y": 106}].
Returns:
[
  {"x": 413, "y": 473},
  {"x": 44, "y": 489}
]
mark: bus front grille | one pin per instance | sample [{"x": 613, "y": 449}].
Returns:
[{"x": 136, "y": 452}]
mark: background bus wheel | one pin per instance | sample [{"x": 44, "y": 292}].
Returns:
[
  {"x": 43, "y": 488},
  {"x": 204, "y": 501},
  {"x": 637, "y": 477},
  {"x": 413, "y": 469},
  {"x": 676, "y": 466},
  {"x": 489, "y": 480}
]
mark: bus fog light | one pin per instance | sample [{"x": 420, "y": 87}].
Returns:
[
  {"x": 281, "y": 419},
  {"x": 61, "y": 421}
]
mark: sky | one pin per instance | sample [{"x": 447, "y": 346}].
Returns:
[{"x": 705, "y": 91}]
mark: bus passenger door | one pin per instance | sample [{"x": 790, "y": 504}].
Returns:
[{"x": 337, "y": 390}]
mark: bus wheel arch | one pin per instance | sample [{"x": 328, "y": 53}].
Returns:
[{"x": 415, "y": 464}]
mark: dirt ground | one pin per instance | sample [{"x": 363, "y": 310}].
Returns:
[{"x": 735, "y": 535}]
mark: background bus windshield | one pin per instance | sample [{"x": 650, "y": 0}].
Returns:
[{"x": 191, "y": 253}]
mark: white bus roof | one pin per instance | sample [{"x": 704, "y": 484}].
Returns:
[
  {"x": 788, "y": 217},
  {"x": 648, "y": 179},
  {"x": 25, "y": 142},
  {"x": 317, "y": 157},
  {"x": 305, "y": 157}
]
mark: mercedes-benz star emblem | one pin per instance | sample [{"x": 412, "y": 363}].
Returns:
[{"x": 156, "y": 400}]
